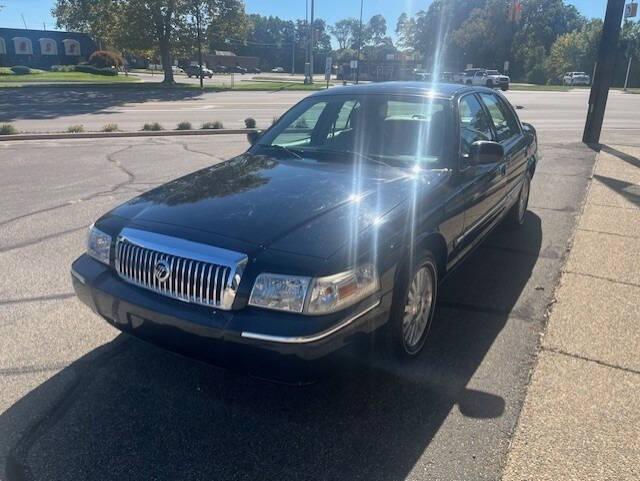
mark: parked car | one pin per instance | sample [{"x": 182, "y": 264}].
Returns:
[
  {"x": 445, "y": 77},
  {"x": 280, "y": 256},
  {"x": 238, "y": 69},
  {"x": 254, "y": 70},
  {"x": 277, "y": 70},
  {"x": 194, "y": 71},
  {"x": 483, "y": 77},
  {"x": 220, "y": 69},
  {"x": 576, "y": 78}
]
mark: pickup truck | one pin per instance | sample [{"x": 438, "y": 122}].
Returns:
[{"x": 481, "y": 77}]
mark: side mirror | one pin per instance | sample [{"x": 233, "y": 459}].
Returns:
[
  {"x": 253, "y": 137},
  {"x": 485, "y": 152}
]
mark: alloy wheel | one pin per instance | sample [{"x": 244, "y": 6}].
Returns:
[{"x": 418, "y": 309}]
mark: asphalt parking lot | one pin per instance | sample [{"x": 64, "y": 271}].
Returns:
[{"x": 81, "y": 401}]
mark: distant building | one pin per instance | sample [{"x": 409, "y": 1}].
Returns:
[
  {"x": 229, "y": 59},
  {"x": 43, "y": 48}
]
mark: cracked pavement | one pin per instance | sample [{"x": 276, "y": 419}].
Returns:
[{"x": 80, "y": 401}]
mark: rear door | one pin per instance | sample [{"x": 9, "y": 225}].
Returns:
[{"x": 508, "y": 132}]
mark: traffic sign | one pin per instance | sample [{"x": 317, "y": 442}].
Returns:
[{"x": 630, "y": 10}]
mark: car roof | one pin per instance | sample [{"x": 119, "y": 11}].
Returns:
[{"x": 439, "y": 90}]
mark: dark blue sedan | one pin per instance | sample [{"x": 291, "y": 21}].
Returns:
[{"x": 338, "y": 223}]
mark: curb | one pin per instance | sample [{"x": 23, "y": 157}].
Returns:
[{"x": 150, "y": 133}]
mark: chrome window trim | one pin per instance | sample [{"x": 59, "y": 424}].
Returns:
[
  {"x": 189, "y": 252},
  {"x": 310, "y": 338}
]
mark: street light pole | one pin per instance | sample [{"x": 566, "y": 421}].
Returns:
[{"x": 359, "y": 44}]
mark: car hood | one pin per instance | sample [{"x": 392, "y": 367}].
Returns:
[{"x": 303, "y": 206}]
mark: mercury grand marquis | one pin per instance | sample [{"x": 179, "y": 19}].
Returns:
[{"x": 339, "y": 222}]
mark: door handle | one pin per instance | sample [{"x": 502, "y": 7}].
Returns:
[{"x": 503, "y": 169}]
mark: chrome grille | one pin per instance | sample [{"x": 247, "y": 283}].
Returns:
[{"x": 195, "y": 275}]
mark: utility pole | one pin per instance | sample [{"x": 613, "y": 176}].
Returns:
[
  {"x": 311, "y": 42},
  {"x": 603, "y": 76},
  {"x": 359, "y": 43},
  {"x": 293, "y": 51},
  {"x": 198, "y": 20}
]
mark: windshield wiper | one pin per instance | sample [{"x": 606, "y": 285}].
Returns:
[{"x": 284, "y": 149}]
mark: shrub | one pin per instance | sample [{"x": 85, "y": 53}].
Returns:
[
  {"x": 212, "y": 125},
  {"x": 250, "y": 123},
  {"x": 21, "y": 70},
  {"x": 154, "y": 126},
  {"x": 63, "y": 68},
  {"x": 105, "y": 59},
  {"x": 110, "y": 128},
  {"x": 95, "y": 70},
  {"x": 8, "y": 129},
  {"x": 184, "y": 126},
  {"x": 75, "y": 129}
]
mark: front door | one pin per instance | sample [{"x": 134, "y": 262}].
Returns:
[
  {"x": 483, "y": 185},
  {"x": 509, "y": 134}
]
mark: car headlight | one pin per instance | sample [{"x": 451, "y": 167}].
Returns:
[
  {"x": 315, "y": 296},
  {"x": 280, "y": 292},
  {"x": 99, "y": 245}
]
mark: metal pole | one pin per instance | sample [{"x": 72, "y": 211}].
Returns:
[
  {"x": 359, "y": 43},
  {"x": 199, "y": 46},
  {"x": 293, "y": 51},
  {"x": 311, "y": 26},
  {"x": 626, "y": 78},
  {"x": 604, "y": 72}
]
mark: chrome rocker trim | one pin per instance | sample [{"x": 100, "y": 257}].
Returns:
[{"x": 313, "y": 337}]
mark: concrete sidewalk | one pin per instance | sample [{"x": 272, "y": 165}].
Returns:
[{"x": 581, "y": 417}]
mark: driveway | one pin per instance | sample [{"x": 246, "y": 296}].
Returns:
[{"x": 78, "y": 400}]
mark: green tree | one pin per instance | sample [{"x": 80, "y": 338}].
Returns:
[
  {"x": 575, "y": 50},
  {"x": 344, "y": 31},
  {"x": 406, "y": 31},
  {"x": 543, "y": 21},
  {"x": 99, "y": 18},
  {"x": 376, "y": 30}
]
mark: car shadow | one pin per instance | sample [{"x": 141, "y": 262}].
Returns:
[
  {"x": 50, "y": 103},
  {"x": 135, "y": 411}
]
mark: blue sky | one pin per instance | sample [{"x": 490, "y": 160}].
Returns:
[{"x": 37, "y": 12}]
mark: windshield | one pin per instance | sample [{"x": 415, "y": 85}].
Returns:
[
  {"x": 492, "y": 72},
  {"x": 388, "y": 128}
]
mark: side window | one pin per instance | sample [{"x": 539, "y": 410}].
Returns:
[
  {"x": 503, "y": 120},
  {"x": 300, "y": 130},
  {"x": 474, "y": 123},
  {"x": 344, "y": 121}
]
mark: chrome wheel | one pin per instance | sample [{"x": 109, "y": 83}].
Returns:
[
  {"x": 523, "y": 201},
  {"x": 418, "y": 309}
]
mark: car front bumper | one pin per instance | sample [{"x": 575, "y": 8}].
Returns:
[{"x": 260, "y": 342}]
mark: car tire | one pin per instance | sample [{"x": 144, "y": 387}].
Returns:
[
  {"x": 490, "y": 84},
  {"x": 518, "y": 212},
  {"x": 504, "y": 88},
  {"x": 469, "y": 82},
  {"x": 413, "y": 306}
]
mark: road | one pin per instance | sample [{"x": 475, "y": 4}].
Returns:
[
  {"x": 80, "y": 401},
  {"x": 559, "y": 116}
]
